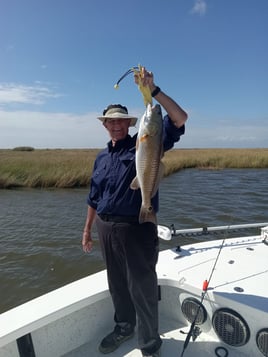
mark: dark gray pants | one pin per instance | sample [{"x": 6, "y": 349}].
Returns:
[{"x": 130, "y": 251}]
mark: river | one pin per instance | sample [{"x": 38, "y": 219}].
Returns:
[{"x": 40, "y": 230}]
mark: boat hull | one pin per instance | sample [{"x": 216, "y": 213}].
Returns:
[{"x": 72, "y": 320}]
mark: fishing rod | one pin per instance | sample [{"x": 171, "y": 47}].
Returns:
[
  {"x": 206, "y": 283},
  {"x": 204, "y": 291}
]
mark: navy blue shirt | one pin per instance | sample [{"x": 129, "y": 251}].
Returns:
[{"x": 114, "y": 170}]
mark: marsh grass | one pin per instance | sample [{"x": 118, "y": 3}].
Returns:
[
  {"x": 61, "y": 168},
  {"x": 46, "y": 168},
  {"x": 175, "y": 160}
]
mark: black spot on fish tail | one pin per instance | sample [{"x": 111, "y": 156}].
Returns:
[{"x": 147, "y": 214}]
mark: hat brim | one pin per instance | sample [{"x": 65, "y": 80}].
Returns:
[{"x": 133, "y": 120}]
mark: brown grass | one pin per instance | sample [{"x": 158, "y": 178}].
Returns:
[
  {"x": 215, "y": 159},
  {"x": 72, "y": 168}
]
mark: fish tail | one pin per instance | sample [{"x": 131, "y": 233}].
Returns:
[{"x": 147, "y": 214}]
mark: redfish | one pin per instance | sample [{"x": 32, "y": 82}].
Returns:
[{"x": 149, "y": 168}]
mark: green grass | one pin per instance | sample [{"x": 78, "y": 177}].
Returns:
[{"x": 61, "y": 168}]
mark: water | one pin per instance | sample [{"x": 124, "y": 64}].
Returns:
[{"x": 41, "y": 230}]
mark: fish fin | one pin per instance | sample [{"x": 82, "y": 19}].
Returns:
[
  {"x": 143, "y": 137},
  {"x": 147, "y": 215},
  {"x": 135, "y": 183}
]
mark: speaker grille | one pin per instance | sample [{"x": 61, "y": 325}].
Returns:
[
  {"x": 230, "y": 327},
  {"x": 262, "y": 341},
  {"x": 190, "y": 307}
]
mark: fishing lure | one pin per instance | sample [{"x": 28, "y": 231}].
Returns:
[{"x": 145, "y": 90}]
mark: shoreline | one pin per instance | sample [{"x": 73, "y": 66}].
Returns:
[{"x": 72, "y": 168}]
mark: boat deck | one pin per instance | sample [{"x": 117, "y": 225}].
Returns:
[
  {"x": 173, "y": 341},
  {"x": 72, "y": 320},
  {"x": 180, "y": 277}
]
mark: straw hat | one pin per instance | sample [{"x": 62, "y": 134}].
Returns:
[{"x": 117, "y": 111}]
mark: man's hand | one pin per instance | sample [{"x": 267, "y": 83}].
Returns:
[
  {"x": 87, "y": 242},
  {"x": 145, "y": 77}
]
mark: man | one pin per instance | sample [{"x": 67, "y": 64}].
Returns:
[{"x": 130, "y": 249}]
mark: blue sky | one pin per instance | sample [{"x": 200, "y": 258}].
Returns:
[{"x": 59, "y": 61}]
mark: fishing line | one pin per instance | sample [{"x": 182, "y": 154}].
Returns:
[{"x": 205, "y": 288}]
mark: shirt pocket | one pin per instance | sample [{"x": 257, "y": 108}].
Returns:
[
  {"x": 100, "y": 174},
  {"x": 127, "y": 159}
]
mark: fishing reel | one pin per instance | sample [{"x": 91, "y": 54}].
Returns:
[{"x": 194, "y": 334}]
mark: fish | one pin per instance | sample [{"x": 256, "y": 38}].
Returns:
[{"x": 149, "y": 152}]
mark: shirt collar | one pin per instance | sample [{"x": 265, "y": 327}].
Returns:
[{"x": 124, "y": 143}]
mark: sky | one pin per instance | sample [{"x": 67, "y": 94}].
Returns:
[{"x": 60, "y": 59}]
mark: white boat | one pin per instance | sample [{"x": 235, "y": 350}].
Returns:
[{"x": 226, "y": 317}]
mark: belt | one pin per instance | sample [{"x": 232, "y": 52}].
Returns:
[{"x": 119, "y": 219}]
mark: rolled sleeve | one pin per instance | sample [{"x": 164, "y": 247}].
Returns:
[
  {"x": 172, "y": 134},
  {"x": 93, "y": 196},
  {"x": 91, "y": 203}
]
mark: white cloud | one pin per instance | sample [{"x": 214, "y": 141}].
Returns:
[
  {"x": 52, "y": 130},
  {"x": 70, "y": 130},
  {"x": 200, "y": 7},
  {"x": 217, "y": 135},
  {"x": 11, "y": 93}
]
